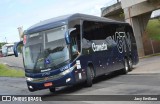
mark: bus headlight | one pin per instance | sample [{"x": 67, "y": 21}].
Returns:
[{"x": 29, "y": 79}]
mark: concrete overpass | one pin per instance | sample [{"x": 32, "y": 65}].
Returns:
[
  {"x": 135, "y": 12},
  {"x": 114, "y": 11}
]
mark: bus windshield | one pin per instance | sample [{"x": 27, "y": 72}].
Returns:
[{"x": 46, "y": 50}]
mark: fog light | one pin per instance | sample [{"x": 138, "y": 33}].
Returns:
[
  {"x": 30, "y": 87},
  {"x": 68, "y": 79}
]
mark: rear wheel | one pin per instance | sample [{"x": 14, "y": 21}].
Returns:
[
  {"x": 52, "y": 89},
  {"x": 90, "y": 76},
  {"x": 130, "y": 64},
  {"x": 126, "y": 67}
]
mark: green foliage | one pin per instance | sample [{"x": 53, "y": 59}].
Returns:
[
  {"x": 154, "y": 1},
  {"x": 153, "y": 29},
  {"x": 20, "y": 48},
  {"x": 121, "y": 15},
  {"x": 159, "y": 19},
  {"x": 6, "y": 71},
  {"x": 1, "y": 44}
]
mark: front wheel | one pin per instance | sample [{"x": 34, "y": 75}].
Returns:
[
  {"x": 126, "y": 67},
  {"x": 90, "y": 76},
  {"x": 52, "y": 89},
  {"x": 31, "y": 90}
]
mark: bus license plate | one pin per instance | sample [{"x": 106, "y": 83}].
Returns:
[{"x": 48, "y": 84}]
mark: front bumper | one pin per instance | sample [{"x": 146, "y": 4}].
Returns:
[{"x": 63, "y": 81}]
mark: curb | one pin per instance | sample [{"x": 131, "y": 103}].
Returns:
[
  {"x": 148, "y": 56},
  {"x": 12, "y": 66}
]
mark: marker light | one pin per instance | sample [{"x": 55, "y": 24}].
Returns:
[{"x": 24, "y": 39}]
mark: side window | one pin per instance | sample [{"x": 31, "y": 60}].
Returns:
[
  {"x": 97, "y": 30},
  {"x": 93, "y": 30},
  {"x": 75, "y": 38},
  {"x": 88, "y": 30}
]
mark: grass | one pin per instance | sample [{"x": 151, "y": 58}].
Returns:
[
  {"x": 6, "y": 71},
  {"x": 153, "y": 29}
]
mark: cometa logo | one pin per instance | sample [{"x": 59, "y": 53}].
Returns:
[{"x": 99, "y": 47}]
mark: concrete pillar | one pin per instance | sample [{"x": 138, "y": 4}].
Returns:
[
  {"x": 20, "y": 30},
  {"x": 138, "y": 35},
  {"x": 139, "y": 24}
]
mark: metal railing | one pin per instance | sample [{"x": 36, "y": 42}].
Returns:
[{"x": 110, "y": 3}]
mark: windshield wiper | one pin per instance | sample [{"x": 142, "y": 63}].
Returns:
[
  {"x": 57, "y": 49},
  {"x": 63, "y": 62},
  {"x": 38, "y": 57}
]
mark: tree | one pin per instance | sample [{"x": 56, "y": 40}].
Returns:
[{"x": 1, "y": 44}]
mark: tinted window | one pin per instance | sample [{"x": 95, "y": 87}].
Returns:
[{"x": 98, "y": 30}]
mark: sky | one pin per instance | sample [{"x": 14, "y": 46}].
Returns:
[{"x": 17, "y": 13}]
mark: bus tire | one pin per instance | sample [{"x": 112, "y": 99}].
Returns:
[
  {"x": 31, "y": 90},
  {"x": 89, "y": 77},
  {"x": 53, "y": 89},
  {"x": 126, "y": 66},
  {"x": 130, "y": 62}
]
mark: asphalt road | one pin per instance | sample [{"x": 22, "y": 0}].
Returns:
[{"x": 143, "y": 80}]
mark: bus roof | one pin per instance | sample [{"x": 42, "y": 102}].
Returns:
[{"x": 62, "y": 20}]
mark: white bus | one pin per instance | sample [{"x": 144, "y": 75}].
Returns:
[{"x": 7, "y": 49}]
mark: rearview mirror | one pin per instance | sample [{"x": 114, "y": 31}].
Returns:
[
  {"x": 15, "y": 48},
  {"x": 67, "y": 35}
]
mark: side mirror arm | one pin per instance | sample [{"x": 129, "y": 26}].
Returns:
[
  {"x": 15, "y": 48},
  {"x": 67, "y": 35}
]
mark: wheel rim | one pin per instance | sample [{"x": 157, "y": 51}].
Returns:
[
  {"x": 130, "y": 63},
  {"x": 92, "y": 74}
]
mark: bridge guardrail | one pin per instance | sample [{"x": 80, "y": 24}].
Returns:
[{"x": 110, "y": 3}]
